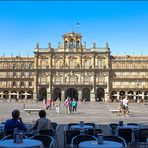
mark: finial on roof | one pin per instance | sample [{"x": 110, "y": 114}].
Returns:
[
  {"x": 59, "y": 45},
  {"x": 49, "y": 45},
  {"x": 107, "y": 45},
  {"x": 84, "y": 44},
  {"x": 94, "y": 45},
  {"x": 37, "y": 45}
]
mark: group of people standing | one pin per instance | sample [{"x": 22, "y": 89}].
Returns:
[{"x": 71, "y": 105}]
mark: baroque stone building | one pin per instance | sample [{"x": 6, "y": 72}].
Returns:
[{"x": 74, "y": 70}]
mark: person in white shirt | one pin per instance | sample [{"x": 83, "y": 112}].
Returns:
[{"x": 125, "y": 106}]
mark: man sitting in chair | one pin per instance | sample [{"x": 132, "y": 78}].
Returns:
[{"x": 15, "y": 122}]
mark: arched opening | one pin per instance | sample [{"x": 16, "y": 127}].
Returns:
[
  {"x": 6, "y": 94},
  {"x": 57, "y": 94},
  {"x": 42, "y": 94},
  {"x": 22, "y": 95},
  {"x": 30, "y": 95},
  {"x": 86, "y": 94},
  {"x": 72, "y": 93},
  {"x": 122, "y": 94},
  {"x": 114, "y": 95},
  {"x": 13, "y": 95},
  {"x": 100, "y": 94},
  {"x": 130, "y": 95},
  {"x": 146, "y": 96}
]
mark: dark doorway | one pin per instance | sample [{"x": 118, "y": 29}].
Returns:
[
  {"x": 86, "y": 94},
  {"x": 42, "y": 94},
  {"x": 57, "y": 94},
  {"x": 100, "y": 94},
  {"x": 72, "y": 93}
]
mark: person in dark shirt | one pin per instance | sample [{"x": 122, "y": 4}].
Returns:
[{"x": 15, "y": 122}]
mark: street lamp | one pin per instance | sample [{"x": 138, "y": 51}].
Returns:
[{"x": 138, "y": 84}]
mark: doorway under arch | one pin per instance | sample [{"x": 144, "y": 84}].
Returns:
[
  {"x": 100, "y": 94},
  {"x": 86, "y": 94},
  {"x": 42, "y": 94},
  {"x": 56, "y": 94},
  {"x": 72, "y": 93}
]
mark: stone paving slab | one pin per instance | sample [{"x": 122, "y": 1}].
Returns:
[{"x": 97, "y": 112}]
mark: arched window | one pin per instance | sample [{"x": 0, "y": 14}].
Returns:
[
  {"x": 77, "y": 44},
  {"x": 65, "y": 44},
  {"x": 14, "y": 66},
  {"x": 30, "y": 66},
  {"x": 72, "y": 43},
  {"x": 22, "y": 84},
  {"x": 13, "y": 84}
]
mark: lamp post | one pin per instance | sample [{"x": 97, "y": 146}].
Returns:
[{"x": 138, "y": 84}]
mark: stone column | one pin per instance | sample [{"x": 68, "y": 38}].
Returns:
[
  {"x": 62, "y": 95},
  {"x": 79, "y": 95},
  {"x": 134, "y": 96}
]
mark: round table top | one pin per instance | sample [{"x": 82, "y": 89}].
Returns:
[
  {"x": 82, "y": 127},
  {"x": 94, "y": 144},
  {"x": 27, "y": 143}
]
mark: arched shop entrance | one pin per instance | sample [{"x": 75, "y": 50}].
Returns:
[
  {"x": 72, "y": 93},
  {"x": 42, "y": 94},
  {"x": 100, "y": 94},
  {"x": 57, "y": 94},
  {"x": 86, "y": 94}
]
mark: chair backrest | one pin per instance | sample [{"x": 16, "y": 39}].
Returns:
[
  {"x": 116, "y": 139},
  {"x": 8, "y": 132},
  {"x": 69, "y": 134},
  {"x": 46, "y": 132},
  {"x": 113, "y": 127},
  {"x": 45, "y": 139},
  {"x": 54, "y": 125},
  {"x": 91, "y": 124},
  {"x": 71, "y": 124},
  {"x": 143, "y": 135},
  {"x": 90, "y": 132},
  {"x": 135, "y": 124},
  {"x": 126, "y": 134},
  {"x": 80, "y": 138},
  {"x": 97, "y": 131}
]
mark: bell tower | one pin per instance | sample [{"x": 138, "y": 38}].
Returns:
[{"x": 72, "y": 42}]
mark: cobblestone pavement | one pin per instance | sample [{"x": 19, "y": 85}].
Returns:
[{"x": 97, "y": 112}]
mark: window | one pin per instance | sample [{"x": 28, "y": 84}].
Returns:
[
  {"x": 22, "y": 66},
  {"x": 30, "y": 74},
  {"x": 13, "y": 84},
  {"x": 30, "y": 66},
  {"x": 14, "y": 74},
  {"x": 14, "y": 66},
  {"x": 77, "y": 44},
  {"x": 22, "y": 84},
  {"x": 65, "y": 44},
  {"x": 72, "y": 44},
  {"x": 30, "y": 84},
  {"x": 22, "y": 74}
]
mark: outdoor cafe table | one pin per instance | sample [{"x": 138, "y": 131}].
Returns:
[
  {"x": 27, "y": 143},
  {"x": 94, "y": 144}
]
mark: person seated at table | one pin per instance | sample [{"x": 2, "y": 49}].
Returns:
[
  {"x": 15, "y": 122},
  {"x": 42, "y": 123}
]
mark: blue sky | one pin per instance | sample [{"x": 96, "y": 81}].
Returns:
[{"x": 123, "y": 24}]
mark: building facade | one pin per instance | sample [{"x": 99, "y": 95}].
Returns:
[{"x": 74, "y": 70}]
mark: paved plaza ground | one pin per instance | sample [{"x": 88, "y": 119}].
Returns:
[{"x": 97, "y": 112}]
